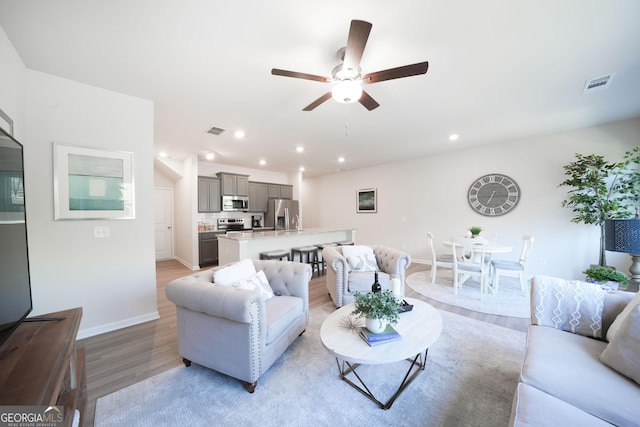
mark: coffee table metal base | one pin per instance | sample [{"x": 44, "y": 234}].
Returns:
[{"x": 418, "y": 364}]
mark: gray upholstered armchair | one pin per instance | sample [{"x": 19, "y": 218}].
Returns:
[
  {"x": 343, "y": 282},
  {"x": 235, "y": 331}
]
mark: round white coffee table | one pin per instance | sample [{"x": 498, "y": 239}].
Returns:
[{"x": 419, "y": 329}]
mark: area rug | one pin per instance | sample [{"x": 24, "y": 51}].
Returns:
[
  {"x": 509, "y": 301},
  {"x": 470, "y": 378}
]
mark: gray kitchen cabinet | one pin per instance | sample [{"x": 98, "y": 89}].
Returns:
[
  {"x": 258, "y": 196},
  {"x": 208, "y": 248},
  {"x": 274, "y": 191},
  {"x": 286, "y": 192},
  {"x": 233, "y": 185},
  {"x": 208, "y": 194}
]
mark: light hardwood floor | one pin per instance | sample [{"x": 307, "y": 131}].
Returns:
[{"x": 121, "y": 358}]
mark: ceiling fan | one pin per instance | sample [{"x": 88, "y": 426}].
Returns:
[{"x": 347, "y": 77}]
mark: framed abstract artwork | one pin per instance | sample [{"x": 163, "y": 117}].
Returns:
[
  {"x": 366, "y": 200},
  {"x": 90, "y": 183}
]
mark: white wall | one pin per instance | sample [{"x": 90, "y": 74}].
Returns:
[
  {"x": 112, "y": 279},
  {"x": 211, "y": 168},
  {"x": 430, "y": 194},
  {"x": 12, "y": 76}
]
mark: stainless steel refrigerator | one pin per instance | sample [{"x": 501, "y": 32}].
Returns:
[{"x": 282, "y": 214}]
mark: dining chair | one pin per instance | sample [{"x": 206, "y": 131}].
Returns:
[
  {"x": 469, "y": 261},
  {"x": 512, "y": 268},
  {"x": 444, "y": 260}
]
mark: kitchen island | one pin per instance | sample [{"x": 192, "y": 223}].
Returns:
[{"x": 235, "y": 246}]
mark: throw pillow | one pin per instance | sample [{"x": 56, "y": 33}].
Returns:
[
  {"x": 569, "y": 305},
  {"x": 621, "y": 353},
  {"x": 366, "y": 262},
  {"x": 234, "y": 272},
  {"x": 356, "y": 250},
  {"x": 257, "y": 282},
  {"x": 615, "y": 326}
]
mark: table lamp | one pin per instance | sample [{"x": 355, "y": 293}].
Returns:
[{"x": 623, "y": 235}]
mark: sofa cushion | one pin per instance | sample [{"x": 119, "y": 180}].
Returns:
[
  {"x": 570, "y": 305},
  {"x": 281, "y": 312},
  {"x": 534, "y": 408},
  {"x": 567, "y": 366},
  {"x": 361, "y": 282},
  {"x": 232, "y": 273},
  {"x": 621, "y": 353},
  {"x": 615, "y": 326}
]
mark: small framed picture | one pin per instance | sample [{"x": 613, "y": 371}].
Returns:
[
  {"x": 90, "y": 183},
  {"x": 366, "y": 200}
]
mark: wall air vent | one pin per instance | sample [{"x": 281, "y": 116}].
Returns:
[
  {"x": 215, "y": 130},
  {"x": 599, "y": 83}
]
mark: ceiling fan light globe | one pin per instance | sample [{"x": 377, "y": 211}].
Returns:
[{"x": 347, "y": 91}]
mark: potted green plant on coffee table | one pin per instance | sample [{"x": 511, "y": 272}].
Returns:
[
  {"x": 605, "y": 275},
  {"x": 378, "y": 309}
]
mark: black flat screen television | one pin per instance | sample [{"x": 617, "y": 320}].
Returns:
[{"x": 15, "y": 283}]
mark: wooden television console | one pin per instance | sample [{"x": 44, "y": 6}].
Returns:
[{"x": 40, "y": 365}]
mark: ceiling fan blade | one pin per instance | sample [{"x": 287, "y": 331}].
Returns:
[
  {"x": 317, "y": 102},
  {"x": 368, "y": 102},
  {"x": 358, "y": 36},
  {"x": 396, "y": 73},
  {"x": 297, "y": 75}
]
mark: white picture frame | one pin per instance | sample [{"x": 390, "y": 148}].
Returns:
[
  {"x": 367, "y": 200},
  {"x": 92, "y": 184}
]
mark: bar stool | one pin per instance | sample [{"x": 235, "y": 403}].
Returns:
[
  {"x": 321, "y": 262},
  {"x": 308, "y": 255},
  {"x": 280, "y": 254}
]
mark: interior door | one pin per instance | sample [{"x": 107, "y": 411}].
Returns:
[{"x": 163, "y": 214}]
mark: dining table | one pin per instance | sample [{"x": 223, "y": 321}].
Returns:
[{"x": 490, "y": 249}]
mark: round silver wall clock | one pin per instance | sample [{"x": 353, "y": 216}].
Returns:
[{"x": 493, "y": 195}]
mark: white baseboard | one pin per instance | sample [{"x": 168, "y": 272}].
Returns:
[
  {"x": 114, "y": 326},
  {"x": 420, "y": 261},
  {"x": 186, "y": 264}
]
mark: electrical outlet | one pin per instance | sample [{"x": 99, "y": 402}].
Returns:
[{"x": 100, "y": 232}]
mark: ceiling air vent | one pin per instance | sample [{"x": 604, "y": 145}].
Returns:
[
  {"x": 599, "y": 83},
  {"x": 215, "y": 130}
]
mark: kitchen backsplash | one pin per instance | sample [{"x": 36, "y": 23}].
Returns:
[{"x": 210, "y": 220}]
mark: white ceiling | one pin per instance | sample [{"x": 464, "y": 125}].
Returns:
[{"x": 499, "y": 70}]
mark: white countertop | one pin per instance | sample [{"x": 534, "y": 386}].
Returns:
[{"x": 240, "y": 235}]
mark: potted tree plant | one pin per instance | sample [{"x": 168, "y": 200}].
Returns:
[
  {"x": 606, "y": 275},
  {"x": 378, "y": 309},
  {"x": 601, "y": 190}
]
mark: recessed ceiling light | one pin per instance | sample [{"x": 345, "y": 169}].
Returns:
[
  {"x": 454, "y": 137},
  {"x": 210, "y": 156},
  {"x": 263, "y": 162},
  {"x": 299, "y": 149},
  {"x": 301, "y": 169},
  {"x": 341, "y": 159},
  {"x": 239, "y": 134},
  {"x": 163, "y": 154}
]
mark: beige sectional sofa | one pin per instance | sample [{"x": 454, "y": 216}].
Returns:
[{"x": 564, "y": 381}]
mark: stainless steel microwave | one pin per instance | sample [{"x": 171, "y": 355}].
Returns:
[{"x": 235, "y": 203}]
